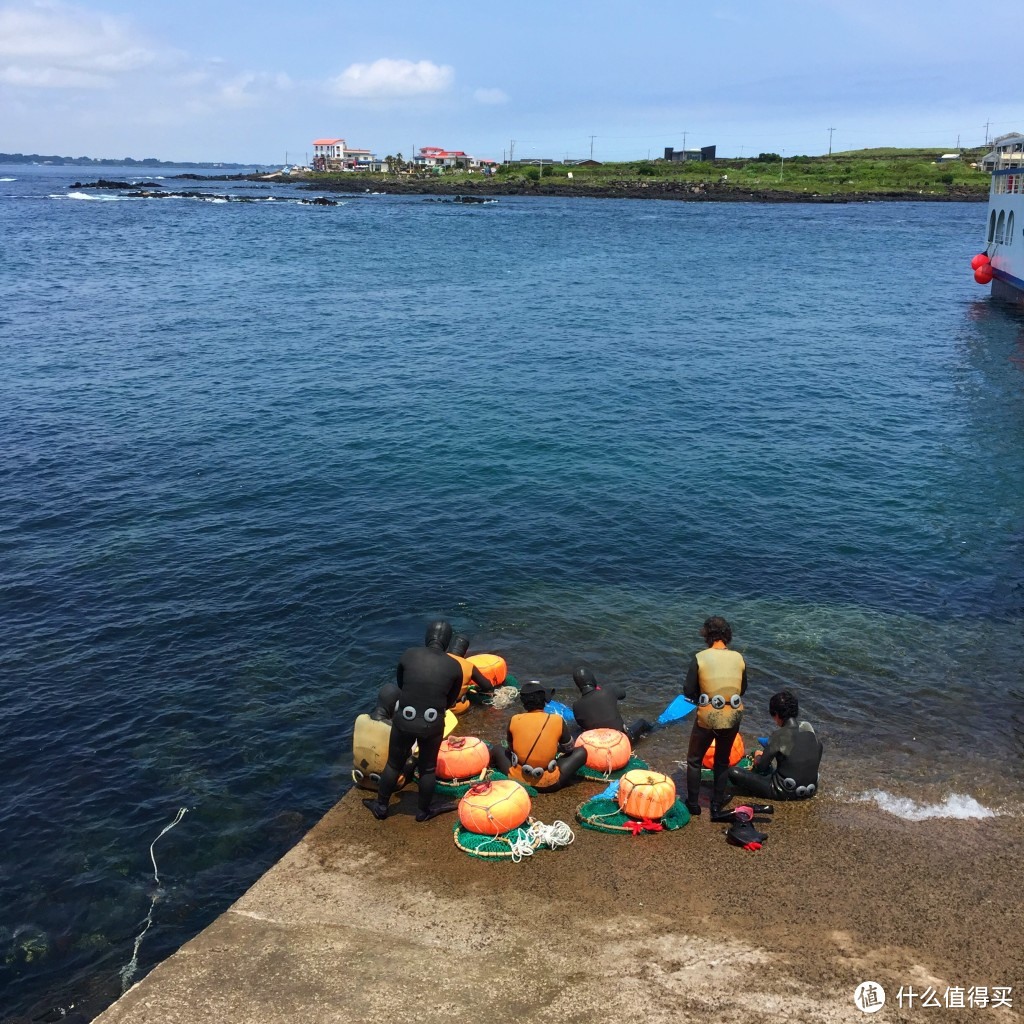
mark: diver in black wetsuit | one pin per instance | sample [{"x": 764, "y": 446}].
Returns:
[
  {"x": 788, "y": 767},
  {"x": 428, "y": 684},
  {"x": 471, "y": 675},
  {"x": 598, "y": 707}
]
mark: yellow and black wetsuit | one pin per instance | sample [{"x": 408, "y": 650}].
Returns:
[{"x": 715, "y": 682}]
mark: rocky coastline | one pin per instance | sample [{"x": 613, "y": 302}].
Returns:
[{"x": 681, "y": 191}]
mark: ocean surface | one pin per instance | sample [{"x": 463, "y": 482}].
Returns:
[{"x": 250, "y": 449}]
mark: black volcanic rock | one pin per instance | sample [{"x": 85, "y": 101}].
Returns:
[{"x": 104, "y": 183}]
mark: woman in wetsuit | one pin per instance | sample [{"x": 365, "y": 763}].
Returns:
[
  {"x": 540, "y": 746},
  {"x": 598, "y": 707},
  {"x": 787, "y": 769},
  {"x": 715, "y": 681},
  {"x": 429, "y": 682}
]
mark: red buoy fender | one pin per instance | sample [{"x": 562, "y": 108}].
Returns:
[
  {"x": 983, "y": 274},
  {"x": 980, "y": 260}
]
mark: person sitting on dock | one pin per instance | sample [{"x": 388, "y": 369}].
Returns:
[
  {"x": 429, "y": 683},
  {"x": 472, "y": 677},
  {"x": 540, "y": 749},
  {"x": 787, "y": 769},
  {"x": 598, "y": 707}
]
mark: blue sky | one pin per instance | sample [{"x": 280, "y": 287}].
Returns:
[{"x": 253, "y": 82}]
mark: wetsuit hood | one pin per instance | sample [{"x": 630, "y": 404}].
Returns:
[
  {"x": 459, "y": 645},
  {"x": 584, "y": 679},
  {"x": 439, "y": 634}
]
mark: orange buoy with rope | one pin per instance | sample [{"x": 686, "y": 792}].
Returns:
[
  {"x": 491, "y": 808},
  {"x": 646, "y": 795},
  {"x": 492, "y": 666},
  {"x": 462, "y": 757},
  {"x": 735, "y": 755},
  {"x": 608, "y": 750}
]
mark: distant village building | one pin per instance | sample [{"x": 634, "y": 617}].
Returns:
[
  {"x": 1007, "y": 151},
  {"x": 434, "y": 157},
  {"x": 584, "y": 162},
  {"x": 336, "y": 155},
  {"x": 705, "y": 154}
]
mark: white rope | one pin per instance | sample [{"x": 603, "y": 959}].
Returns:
[
  {"x": 128, "y": 971},
  {"x": 504, "y": 697},
  {"x": 537, "y": 835}
]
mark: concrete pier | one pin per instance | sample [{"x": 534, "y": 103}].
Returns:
[{"x": 388, "y": 922}]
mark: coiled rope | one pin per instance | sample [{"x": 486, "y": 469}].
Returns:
[{"x": 537, "y": 835}]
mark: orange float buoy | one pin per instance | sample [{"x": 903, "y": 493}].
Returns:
[
  {"x": 608, "y": 750},
  {"x": 492, "y": 666},
  {"x": 490, "y": 808},
  {"x": 461, "y": 707},
  {"x": 646, "y": 794},
  {"x": 980, "y": 260},
  {"x": 462, "y": 757},
  {"x": 735, "y": 755},
  {"x": 983, "y": 274}
]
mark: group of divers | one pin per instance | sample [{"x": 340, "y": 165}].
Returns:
[{"x": 540, "y": 749}]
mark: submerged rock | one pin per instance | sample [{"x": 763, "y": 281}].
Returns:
[{"x": 104, "y": 183}]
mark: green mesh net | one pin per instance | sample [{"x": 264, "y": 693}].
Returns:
[
  {"x": 603, "y": 815},
  {"x": 488, "y": 847},
  {"x": 454, "y": 789},
  {"x": 746, "y": 762},
  {"x": 596, "y": 775}
]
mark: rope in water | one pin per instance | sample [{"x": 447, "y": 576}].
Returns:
[{"x": 128, "y": 971}]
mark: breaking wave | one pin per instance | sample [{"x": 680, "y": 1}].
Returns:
[{"x": 956, "y": 805}]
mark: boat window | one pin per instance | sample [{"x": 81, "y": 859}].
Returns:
[
  {"x": 1009, "y": 229},
  {"x": 1000, "y": 224},
  {"x": 991, "y": 225}
]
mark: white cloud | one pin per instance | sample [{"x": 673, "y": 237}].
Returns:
[
  {"x": 386, "y": 78},
  {"x": 53, "y": 45},
  {"x": 490, "y": 96},
  {"x": 249, "y": 89}
]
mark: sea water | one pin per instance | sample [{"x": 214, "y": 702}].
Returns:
[{"x": 250, "y": 449}]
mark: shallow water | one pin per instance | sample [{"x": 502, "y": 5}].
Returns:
[{"x": 252, "y": 448}]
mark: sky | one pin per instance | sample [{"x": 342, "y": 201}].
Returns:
[{"x": 257, "y": 83}]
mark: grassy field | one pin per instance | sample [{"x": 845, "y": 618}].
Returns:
[{"x": 868, "y": 170}]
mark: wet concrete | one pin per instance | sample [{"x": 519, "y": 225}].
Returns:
[{"x": 389, "y": 922}]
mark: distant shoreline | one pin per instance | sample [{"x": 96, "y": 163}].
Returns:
[{"x": 680, "y": 191}]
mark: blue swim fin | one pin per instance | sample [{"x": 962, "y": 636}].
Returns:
[
  {"x": 559, "y": 709},
  {"x": 611, "y": 792},
  {"x": 679, "y": 708}
]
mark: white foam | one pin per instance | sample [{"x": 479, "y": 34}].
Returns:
[
  {"x": 96, "y": 199},
  {"x": 956, "y": 805},
  {"x": 8, "y": 179}
]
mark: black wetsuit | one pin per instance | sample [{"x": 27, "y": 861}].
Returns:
[
  {"x": 598, "y": 708},
  {"x": 429, "y": 683},
  {"x": 788, "y": 768}
]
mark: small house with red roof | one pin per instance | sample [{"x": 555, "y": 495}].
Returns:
[{"x": 436, "y": 158}]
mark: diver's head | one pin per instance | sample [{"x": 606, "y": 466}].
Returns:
[
  {"x": 459, "y": 645},
  {"x": 533, "y": 695},
  {"x": 783, "y": 706},
  {"x": 584, "y": 679},
  {"x": 439, "y": 632},
  {"x": 715, "y": 629}
]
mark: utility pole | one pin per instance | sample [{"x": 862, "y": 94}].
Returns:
[
  {"x": 782, "y": 166},
  {"x": 592, "y": 137},
  {"x": 684, "y": 145},
  {"x": 987, "y": 126},
  {"x": 511, "y": 150},
  {"x": 830, "y": 131}
]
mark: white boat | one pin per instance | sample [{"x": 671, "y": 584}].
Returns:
[{"x": 1005, "y": 231}]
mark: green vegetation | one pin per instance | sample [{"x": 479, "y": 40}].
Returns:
[{"x": 873, "y": 170}]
